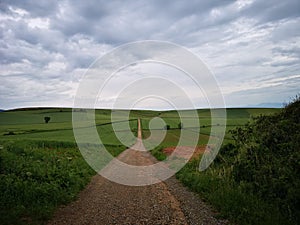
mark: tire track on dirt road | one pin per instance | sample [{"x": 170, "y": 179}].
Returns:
[{"x": 106, "y": 202}]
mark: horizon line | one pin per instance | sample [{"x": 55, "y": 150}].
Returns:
[{"x": 146, "y": 109}]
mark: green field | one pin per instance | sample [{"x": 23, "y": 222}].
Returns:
[
  {"x": 42, "y": 168},
  {"x": 236, "y": 117},
  {"x": 29, "y": 124}
]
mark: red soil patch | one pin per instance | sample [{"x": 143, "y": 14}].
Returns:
[{"x": 184, "y": 151}]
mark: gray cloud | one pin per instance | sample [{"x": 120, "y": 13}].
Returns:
[
  {"x": 42, "y": 8},
  {"x": 270, "y": 10},
  {"x": 49, "y": 44},
  {"x": 287, "y": 29}
]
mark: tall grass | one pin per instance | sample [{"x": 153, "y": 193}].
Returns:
[
  {"x": 37, "y": 177},
  {"x": 255, "y": 179},
  {"x": 157, "y": 152},
  {"x": 229, "y": 198}
]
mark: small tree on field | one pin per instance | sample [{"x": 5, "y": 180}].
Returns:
[
  {"x": 47, "y": 119},
  {"x": 167, "y": 127},
  {"x": 180, "y": 126}
]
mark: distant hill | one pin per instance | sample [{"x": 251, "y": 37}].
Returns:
[
  {"x": 268, "y": 105},
  {"x": 34, "y": 108}
]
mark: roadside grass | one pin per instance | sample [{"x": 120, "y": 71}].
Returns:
[
  {"x": 230, "y": 200},
  {"x": 40, "y": 164},
  {"x": 253, "y": 180},
  {"x": 226, "y": 196},
  {"x": 38, "y": 176},
  {"x": 157, "y": 152}
]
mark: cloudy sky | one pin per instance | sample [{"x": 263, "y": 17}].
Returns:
[{"x": 252, "y": 47}]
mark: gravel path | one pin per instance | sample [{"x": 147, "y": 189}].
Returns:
[{"x": 106, "y": 202}]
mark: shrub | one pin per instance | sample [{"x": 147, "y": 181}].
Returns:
[
  {"x": 158, "y": 153},
  {"x": 167, "y": 127},
  {"x": 255, "y": 179},
  {"x": 47, "y": 119},
  {"x": 35, "y": 180},
  {"x": 180, "y": 126}
]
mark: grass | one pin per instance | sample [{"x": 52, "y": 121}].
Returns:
[
  {"x": 228, "y": 198},
  {"x": 236, "y": 117},
  {"x": 40, "y": 164},
  {"x": 158, "y": 153},
  {"x": 254, "y": 179},
  {"x": 29, "y": 125},
  {"x": 42, "y": 168},
  {"x": 37, "y": 177},
  {"x": 225, "y": 195}
]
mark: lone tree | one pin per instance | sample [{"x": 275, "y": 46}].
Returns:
[
  {"x": 167, "y": 127},
  {"x": 47, "y": 119},
  {"x": 180, "y": 126}
]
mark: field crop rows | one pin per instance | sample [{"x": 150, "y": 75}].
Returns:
[
  {"x": 41, "y": 166},
  {"x": 30, "y": 125}
]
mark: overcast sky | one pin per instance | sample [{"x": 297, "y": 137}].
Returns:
[{"x": 252, "y": 47}]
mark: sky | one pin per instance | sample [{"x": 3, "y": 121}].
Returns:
[{"x": 251, "y": 47}]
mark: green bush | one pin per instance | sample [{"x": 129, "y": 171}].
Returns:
[
  {"x": 47, "y": 119},
  {"x": 35, "y": 180},
  {"x": 158, "y": 153},
  {"x": 167, "y": 127},
  {"x": 255, "y": 179},
  {"x": 268, "y": 159},
  {"x": 180, "y": 125}
]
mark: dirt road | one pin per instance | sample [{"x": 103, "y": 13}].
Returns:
[{"x": 106, "y": 202}]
